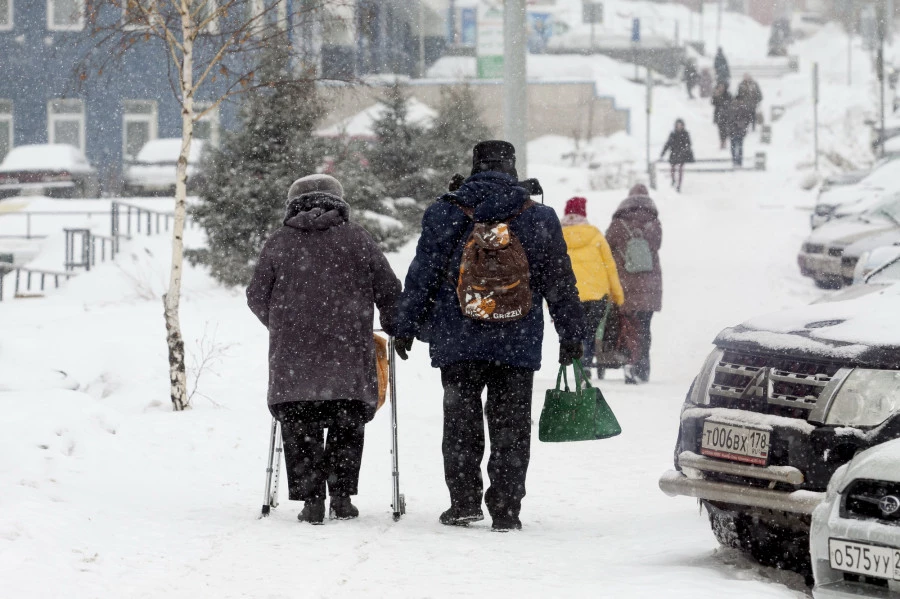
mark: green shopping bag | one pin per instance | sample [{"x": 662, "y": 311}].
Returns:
[
  {"x": 580, "y": 415},
  {"x": 601, "y": 329}
]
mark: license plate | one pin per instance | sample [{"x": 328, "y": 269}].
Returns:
[
  {"x": 868, "y": 560},
  {"x": 736, "y": 443}
]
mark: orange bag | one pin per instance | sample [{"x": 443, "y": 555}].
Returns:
[{"x": 382, "y": 368}]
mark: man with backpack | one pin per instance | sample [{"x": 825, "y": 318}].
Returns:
[
  {"x": 487, "y": 259},
  {"x": 635, "y": 236}
]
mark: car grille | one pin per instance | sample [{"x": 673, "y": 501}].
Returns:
[
  {"x": 769, "y": 384},
  {"x": 849, "y": 261},
  {"x": 814, "y": 248},
  {"x": 835, "y": 252},
  {"x": 872, "y": 500}
]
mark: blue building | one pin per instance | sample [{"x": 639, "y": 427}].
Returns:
[{"x": 113, "y": 113}]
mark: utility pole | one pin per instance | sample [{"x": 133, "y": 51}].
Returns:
[
  {"x": 849, "y": 55},
  {"x": 421, "y": 39},
  {"x": 515, "y": 81},
  {"x": 651, "y": 173},
  {"x": 880, "y": 29},
  {"x": 451, "y": 22},
  {"x": 815, "y": 83},
  {"x": 719, "y": 24}
]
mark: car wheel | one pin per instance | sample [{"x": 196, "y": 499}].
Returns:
[{"x": 828, "y": 283}]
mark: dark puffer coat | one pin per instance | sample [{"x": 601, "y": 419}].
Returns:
[
  {"x": 314, "y": 288},
  {"x": 637, "y": 215},
  {"x": 429, "y": 308},
  {"x": 679, "y": 144},
  {"x": 740, "y": 115}
]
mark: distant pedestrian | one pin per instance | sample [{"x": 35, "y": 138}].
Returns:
[
  {"x": 690, "y": 77},
  {"x": 706, "y": 83},
  {"x": 315, "y": 287},
  {"x": 487, "y": 260},
  {"x": 635, "y": 237},
  {"x": 721, "y": 100},
  {"x": 749, "y": 92},
  {"x": 680, "y": 152},
  {"x": 720, "y": 64},
  {"x": 595, "y": 270},
  {"x": 739, "y": 115}
]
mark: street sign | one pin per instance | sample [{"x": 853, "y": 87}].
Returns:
[
  {"x": 636, "y": 30},
  {"x": 592, "y": 12},
  {"x": 489, "y": 47}
]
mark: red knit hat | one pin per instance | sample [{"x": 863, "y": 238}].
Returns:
[
  {"x": 577, "y": 206},
  {"x": 639, "y": 190}
]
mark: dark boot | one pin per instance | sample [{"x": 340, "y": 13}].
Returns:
[
  {"x": 506, "y": 524},
  {"x": 313, "y": 512},
  {"x": 342, "y": 509},
  {"x": 461, "y": 516}
]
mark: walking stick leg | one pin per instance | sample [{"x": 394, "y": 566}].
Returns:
[
  {"x": 267, "y": 493},
  {"x": 398, "y": 501}
]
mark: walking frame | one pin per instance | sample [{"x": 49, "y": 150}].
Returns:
[{"x": 276, "y": 449}]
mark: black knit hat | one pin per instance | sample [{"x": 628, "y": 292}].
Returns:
[{"x": 494, "y": 155}]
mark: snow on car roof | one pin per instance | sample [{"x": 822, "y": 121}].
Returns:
[
  {"x": 877, "y": 463},
  {"x": 839, "y": 329},
  {"x": 360, "y": 124},
  {"x": 166, "y": 151},
  {"x": 46, "y": 157}
]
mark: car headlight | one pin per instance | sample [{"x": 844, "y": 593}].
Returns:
[
  {"x": 867, "y": 398},
  {"x": 860, "y": 271},
  {"x": 699, "y": 394},
  {"x": 837, "y": 481}
]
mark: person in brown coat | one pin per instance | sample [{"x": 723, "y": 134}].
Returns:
[
  {"x": 315, "y": 287},
  {"x": 635, "y": 236}
]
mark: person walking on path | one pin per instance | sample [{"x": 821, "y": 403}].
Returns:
[
  {"x": 720, "y": 65},
  {"x": 473, "y": 349},
  {"x": 739, "y": 116},
  {"x": 749, "y": 92},
  {"x": 314, "y": 288},
  {"x": 706, "y": 83},
  {"x": 680, "y": 152},
  {"x": 721, "y": 100},
  {"x": 595, "y": 269},
  {"x": 690, "y": 77},
  {"x": 635, "y": 236}
]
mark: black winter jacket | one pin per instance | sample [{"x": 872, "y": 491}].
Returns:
[{"x": 679, "y": 144}]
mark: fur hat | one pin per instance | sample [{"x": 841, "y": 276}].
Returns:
[
  {"x": 577, "y": 205},
  {"x": 494, "y": 155},
  {"x": 639, "y": 190},
  {"x": 325, "y": 184}
]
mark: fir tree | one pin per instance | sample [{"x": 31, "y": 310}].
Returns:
[
  {"x": 457, "y": 128},
  {"x": 246, "y": 180}
]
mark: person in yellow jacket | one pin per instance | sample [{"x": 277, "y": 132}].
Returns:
[{"x": 595, "y": 268}]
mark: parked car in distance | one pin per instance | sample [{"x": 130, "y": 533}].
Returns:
[
  {"x": 821, "y": 255},
  {"x": 153, "y": 170},
  {"x": 844, "y": 201},
  {"x": 855, "y": 534},
  {"x": 779, "y": 405},
  {"x": 54, "y": 170},
  {"x": 863, "y": 256}
]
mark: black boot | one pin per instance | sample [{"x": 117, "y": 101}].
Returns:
[
  {"x": 506, "y": 524},
  {"x": 313, "y": 511},
  {"x": 342, "y": 509},
  {"x": 461, "y": 516}
]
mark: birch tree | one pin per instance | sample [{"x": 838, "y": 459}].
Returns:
[{"x": 209, "y": 45}]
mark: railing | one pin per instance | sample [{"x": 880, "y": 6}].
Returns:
[
  {"x": 28, "y": 216},
  {"x": 146, "y": 220},
  {"x": 86, "y": 240},
  {"x": 41, "y": 275}
]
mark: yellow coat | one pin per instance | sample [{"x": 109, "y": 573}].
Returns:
[{"x": 592, "y": 260}]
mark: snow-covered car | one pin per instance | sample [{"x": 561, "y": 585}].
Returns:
[
  {"x": 821, "y": 254},
  {"x": 843, "y": 201},
  {"x": 782, "y": 402},
  {"x": 855, "y": 536},
  {"x": 153, "y": 170},
  {"x": 55, "y": 170},
  {"x": 863, "y": 256}
]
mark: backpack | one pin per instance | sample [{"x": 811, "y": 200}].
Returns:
[
  {"x": 494, "y": 277},
  {"x": 638, "y": 255}
]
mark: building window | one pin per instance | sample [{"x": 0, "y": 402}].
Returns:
[
  {"x": 207, "y": 9},
  {"x": 207, "y": 128},
  {"x": 6, "y": 127},
  {"x": 135, "y": 13},
  {"x": 6, "y": 15},
  {"x": 65, "y": 15},
  {"x": 139, "y": 125},
  {"x": 65, "y": 122},
  {"x": 264, "y": 15}
]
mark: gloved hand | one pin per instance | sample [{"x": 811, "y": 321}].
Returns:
[
  {"x": 570, "y": 351},
  {"x": 402, "y": 345}
]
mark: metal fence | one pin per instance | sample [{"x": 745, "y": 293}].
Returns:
[
  {"x": 29, "y": 279},
  {"x": 83, "y": 243},
  {"x": 29, "y": 217}
]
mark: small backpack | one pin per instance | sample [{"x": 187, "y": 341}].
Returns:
[
  {"x": 494, "y": 277},
  {"x": 638, "y": 255}
]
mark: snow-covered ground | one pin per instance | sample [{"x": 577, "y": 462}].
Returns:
[{"x": 104, "y": 492}]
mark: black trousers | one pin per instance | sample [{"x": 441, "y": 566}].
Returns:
[
  {"x": 593, "y": 313},
  {"x": 642, "y": 367},
  {"x": 312, "y": 463},
  {"x": 508, "y": 411}
]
